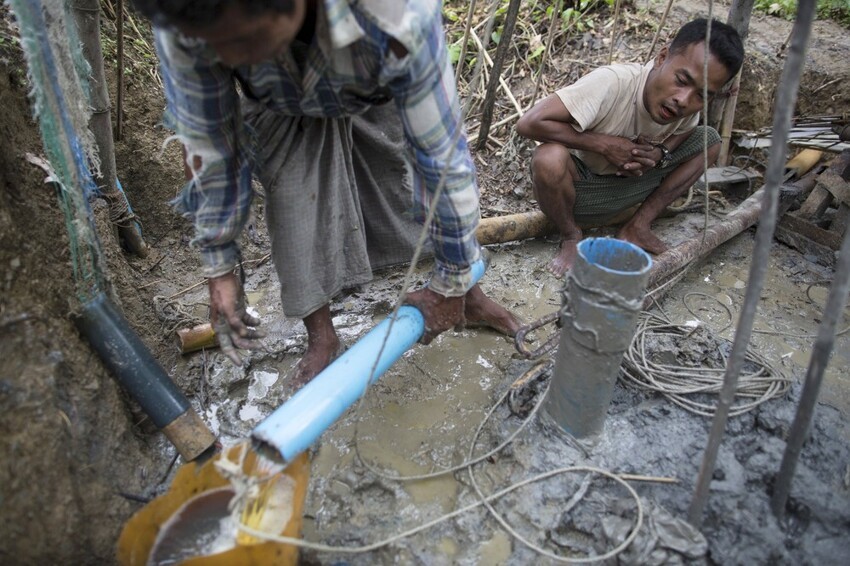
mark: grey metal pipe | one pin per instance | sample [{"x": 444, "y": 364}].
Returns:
[
  {"x": 603, "y": 296},
  {"x": 138, "y": 372}
]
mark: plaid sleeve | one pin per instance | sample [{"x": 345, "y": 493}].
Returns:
[
  {"x": 425, "y": 93},
  {"x": 203, "y": 109}
]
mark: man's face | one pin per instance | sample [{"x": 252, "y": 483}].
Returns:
[
  {"x": 674, "y": 88},
  {"x": 245, "y": 39}
]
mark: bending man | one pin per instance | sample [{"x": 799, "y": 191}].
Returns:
[{"x": 314, "y": 75}]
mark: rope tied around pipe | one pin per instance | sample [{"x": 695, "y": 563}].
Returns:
[{"x": 602, "y": 299}]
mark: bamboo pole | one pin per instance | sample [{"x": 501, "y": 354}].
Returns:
[
  {"x": 119, "y": 95},
  {"x": 466, "y": 31},
  {"x": 513, "y": 227},
  {"x": 728, "y": 111},
  {"x": 661, "y": 24},
  {"x": 87, "y": 17},
  {"x": 785, "y": 102},
  {"x": 556, "y": 14},
  {"x": 739, "y": 18},
  {"x": 502, "y": 82},
  {"x": 197, "y": 338},
  {"x": 482, "y": 54},
  {"x": 803, "y": 162},
  {"x": 614, "y": 27},
  {"x": 498, "y": 61}
]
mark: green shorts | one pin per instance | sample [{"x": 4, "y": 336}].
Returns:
[{"x": 598, "y": 197}]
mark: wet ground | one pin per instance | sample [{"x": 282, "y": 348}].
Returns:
[{"x": 422, "y": 417}]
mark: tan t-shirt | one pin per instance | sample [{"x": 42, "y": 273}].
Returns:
[{"x": 609, "y": 100}]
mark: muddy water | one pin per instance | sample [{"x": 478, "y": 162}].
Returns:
[{"x": 421, "y": 416}]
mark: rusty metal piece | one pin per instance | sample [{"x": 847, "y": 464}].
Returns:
[
  {"x": 822, "y": 255},
  {"x": 551, "y": 342},
  {"x": 841, "y": 219},
  {"x": 811, "y": 231},
  {"x": 531, "y": 374},
  {"x": 525, "y": 389},
  {"x": 835, "y": 184},
  {"x": 190, "y": 435}
]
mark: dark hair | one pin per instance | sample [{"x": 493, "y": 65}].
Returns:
[
  {"x": 203, "y": 12},
  {"x": 725, "y": 43}
]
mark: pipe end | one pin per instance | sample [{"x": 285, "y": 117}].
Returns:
[{"x": 190, "y": 435}]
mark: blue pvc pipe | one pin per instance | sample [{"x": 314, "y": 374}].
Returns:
[{"x": 296, "y": 424}]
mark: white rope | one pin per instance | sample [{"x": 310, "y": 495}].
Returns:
[{"x": 681, "y": 383}]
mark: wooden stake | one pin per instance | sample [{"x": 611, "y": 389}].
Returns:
[
  {"x": 498, "y": 61},
  {"x": 814, "y": 377},
  {"x": 87, "y": 17}
]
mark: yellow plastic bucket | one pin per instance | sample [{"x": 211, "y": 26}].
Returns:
[{"x": 199, "y": 486}]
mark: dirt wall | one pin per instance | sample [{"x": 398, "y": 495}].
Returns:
[{"x": 67, "y": 438}]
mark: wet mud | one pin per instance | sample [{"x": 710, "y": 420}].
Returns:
[
  {"x": 422, "y": 416},
  {"x": 81, "y": 457}
]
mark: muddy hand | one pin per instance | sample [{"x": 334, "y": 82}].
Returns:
[
  {"x": 230, "y": 320},
  {"x": 441, "y": 313}
]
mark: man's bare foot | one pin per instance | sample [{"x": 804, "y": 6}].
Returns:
[
  {"x": 311, "y": 365},
  {"x": 322, "y": 348},
  {"x": 643, "y": 238},
  {"x": 481, "y": 310},
  {"x": 565, "y": 258}
]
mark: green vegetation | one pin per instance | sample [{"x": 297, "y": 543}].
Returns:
[{"x": 836, "y": 10}]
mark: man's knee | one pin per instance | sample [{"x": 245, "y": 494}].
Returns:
[{"x": 551, "y": 164}]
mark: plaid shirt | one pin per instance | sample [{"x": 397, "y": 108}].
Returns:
[{"x": 348, "y": 67}]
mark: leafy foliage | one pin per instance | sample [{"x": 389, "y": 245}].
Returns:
[{"x": 837, "y": 10}]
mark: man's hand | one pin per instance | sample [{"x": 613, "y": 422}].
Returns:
[
  {"x": 441, "y": 313},
  {"x": 230, "y": 320},
  {"x": 632, "y": 158},
  {"x": 645, "y": 156}
]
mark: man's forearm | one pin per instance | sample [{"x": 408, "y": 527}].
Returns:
[{"x": 553, "y": 131}]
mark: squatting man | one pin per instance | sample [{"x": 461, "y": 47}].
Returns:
[{"x": 628, "y": 134}]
